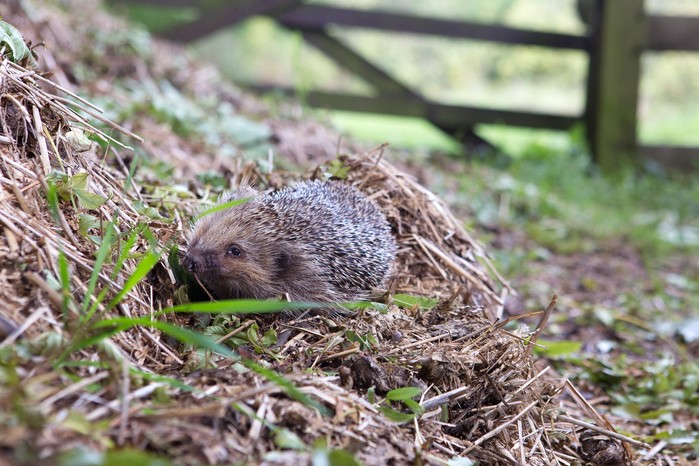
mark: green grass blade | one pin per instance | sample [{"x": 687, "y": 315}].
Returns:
[
  {"x": 241, "y": 306},
  {"x": 123, "y": 254},
  {"x": 101, "y": 257},
  {"x": 290, "y": 389},
  {"x": 186, "y": 336},
  {"x": 174, "y": 383},
  {"x": 142, "y": 269},
  {"x": 224, "y": 206},
  {"x": 201, "y": 341},
  {"x": 64, "y": 275}
]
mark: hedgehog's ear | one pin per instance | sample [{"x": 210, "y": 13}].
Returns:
[{"x": 282, "y": 263}]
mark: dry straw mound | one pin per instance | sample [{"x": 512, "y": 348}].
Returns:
[{"x": 80, "y": 382}]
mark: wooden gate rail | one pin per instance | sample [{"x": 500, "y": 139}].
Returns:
[{"x": 618, "y": 32}]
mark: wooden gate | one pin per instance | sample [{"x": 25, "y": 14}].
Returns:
[{"x": 618, "y": 31}]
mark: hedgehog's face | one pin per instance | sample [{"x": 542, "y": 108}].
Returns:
[{"x": 234, "y": 260}]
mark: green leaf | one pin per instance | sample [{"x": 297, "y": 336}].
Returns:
[
  {"x": 284, "y": 438},
  {"x": 62, "y": 183},
  {"x": 554, "y": 349},
  {"x": 408, "y": 301},
  {"x": 414, "y": 406},
  {"x": 404, "y": 393},
  {"x": 89, "y": 200},
  {"x": 323, "y": 457},
  {"x": 66, "y": 186},
  {"x": 382, "y": 308},
  {"x": 149, "y": 211},
  {"x": 269, "y": 338},
  {"x": 365, "y": 341},
  {"x": 396, "y": 416},
  {"x": 86, "y": 222},
  {"x": 11, "y": 39},
  {"x": 174, "y": 261},
  {"x": 371, "y": 395},
  {"x": 337, "y": 169}
]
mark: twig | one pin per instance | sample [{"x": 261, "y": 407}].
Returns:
[
  {"x": 608, "y": 433},
  {"x": 499, "y": 428},
  {"x": 544, "y": 319}
]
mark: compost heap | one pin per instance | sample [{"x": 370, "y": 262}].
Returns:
[{"x": 87, "y": 263}]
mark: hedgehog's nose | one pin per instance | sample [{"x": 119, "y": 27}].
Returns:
[{"x": 190, "y": 263}]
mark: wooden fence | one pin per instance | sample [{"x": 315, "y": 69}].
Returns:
[{"x": 618, "y": 32}]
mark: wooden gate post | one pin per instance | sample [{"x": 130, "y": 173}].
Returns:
[{"x": 614, "y": 77}]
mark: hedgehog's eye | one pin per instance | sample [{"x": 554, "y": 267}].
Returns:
[{"x": 234, "y": 250}]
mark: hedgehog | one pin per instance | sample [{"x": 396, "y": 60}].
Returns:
[{"x": 320, "y": 242}]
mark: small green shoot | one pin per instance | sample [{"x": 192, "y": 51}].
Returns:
[
  {"x": 366, "y": 342},
  {"x": 337, "y": 169},
  {"x": 405, "y": 396},
  {"x": 70, "y": 188},
  {"x": 15, "y": 48}
]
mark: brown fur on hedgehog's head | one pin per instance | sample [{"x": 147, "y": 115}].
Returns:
[{"x": 237, "y": 253}]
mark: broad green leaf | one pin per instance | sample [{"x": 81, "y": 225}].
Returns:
[
  {"x": 323, "y": 457},
  {"x": 86, "y": 222},
  {"x": 554, "y": 349},
  {"x": 337, "y": 169},
  {"x": 404, "y": 393},
  {"x": 382, "y": 308},
  {"x": 284, "y": 438},
  {"x": 396, "y": 416},
  {"x": 269, "y": 338},
  {"x": 89, "y": 200},
  {"x": 406, "y": 301},
  {"x": 414, "y": 406},
  {"x": 12, "y": 40},
  {"x": 147, "y": 210}
]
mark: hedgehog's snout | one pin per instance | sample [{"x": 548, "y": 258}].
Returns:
[{"x": 191, "y": 261}]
